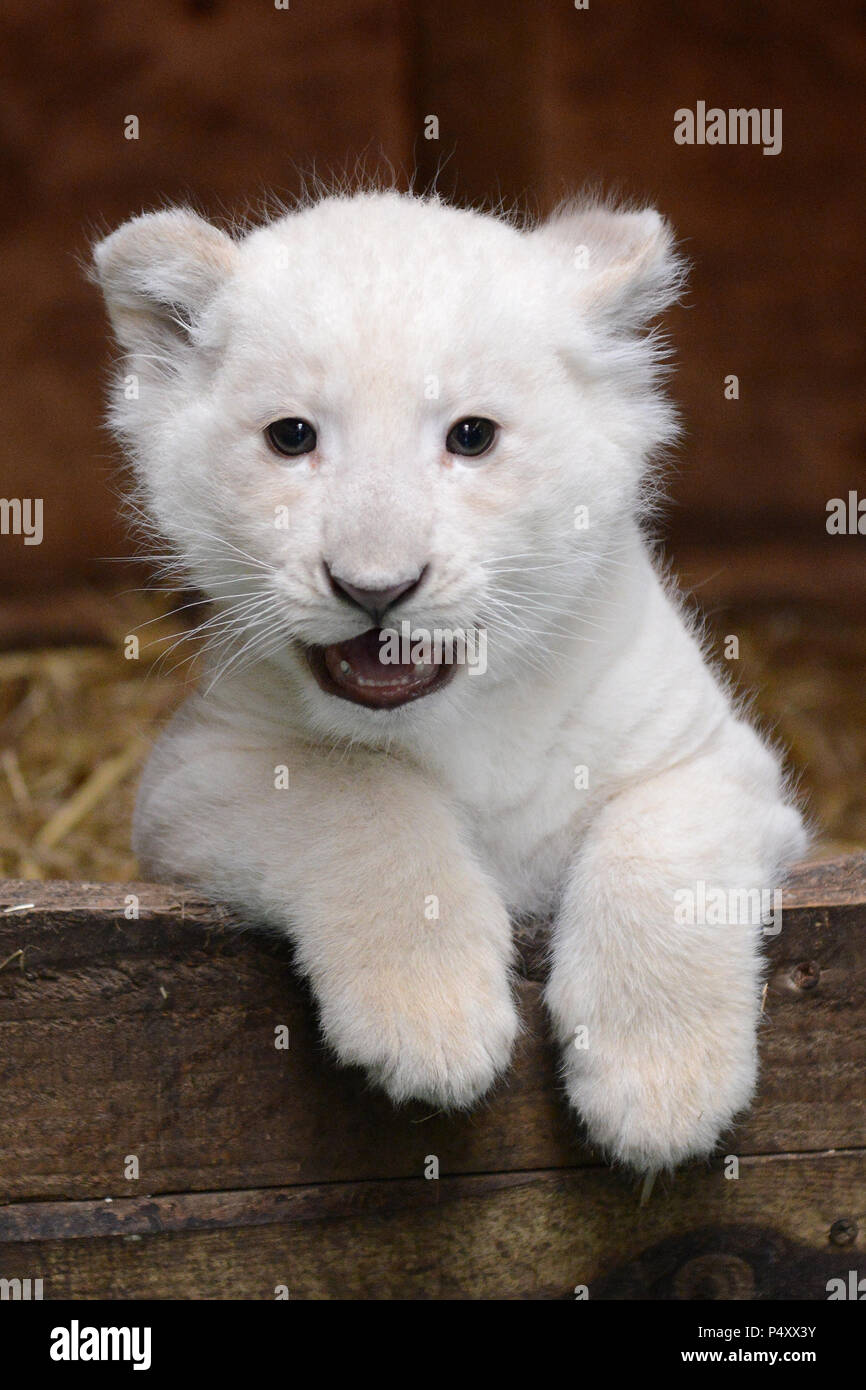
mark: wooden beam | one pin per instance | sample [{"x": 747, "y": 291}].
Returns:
[
  {"x": 780, "y": 1230},
  {"x": 154, "y": 1039}
]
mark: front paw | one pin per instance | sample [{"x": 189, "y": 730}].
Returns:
[
  {"x": 656, "y": 1105},
  {"x": 426, "y": 1039}
]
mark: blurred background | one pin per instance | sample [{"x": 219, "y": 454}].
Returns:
[{"x": 235, "y": 100}]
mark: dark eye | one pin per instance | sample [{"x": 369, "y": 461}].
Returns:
[
  {"x": 291, "y": 437},
  {"x": 471, "y": 437}
]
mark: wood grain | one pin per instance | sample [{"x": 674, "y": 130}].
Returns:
[
  {"x": 155, "y": 1038},
  {"x": 773, "y": 1232}
]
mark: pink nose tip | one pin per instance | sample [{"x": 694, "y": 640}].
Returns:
[{"x": 376, "y": 602}]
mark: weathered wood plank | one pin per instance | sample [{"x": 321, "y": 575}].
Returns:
[
  {"x": 780, "y": 1230},
  {"x": 155, "y": 1038},
  {"x": 180, "y": 912}
]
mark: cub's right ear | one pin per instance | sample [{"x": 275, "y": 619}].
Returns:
[{"x": 157, "y": 273}]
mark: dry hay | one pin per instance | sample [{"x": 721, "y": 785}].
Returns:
[{"x": 76, "y": 726}]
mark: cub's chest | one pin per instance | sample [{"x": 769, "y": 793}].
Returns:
[{"x": 524, "y": 819}]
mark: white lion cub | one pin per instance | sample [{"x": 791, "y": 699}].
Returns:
[{"x": 383, "y": 417}]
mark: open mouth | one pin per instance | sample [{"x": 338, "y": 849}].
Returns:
[{"x": 353, "y": 671}]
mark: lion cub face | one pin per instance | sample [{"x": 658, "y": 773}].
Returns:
[{"x": 381, "y": 410}]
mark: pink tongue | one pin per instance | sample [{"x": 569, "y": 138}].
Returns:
[{"x": 355, "y": 666}]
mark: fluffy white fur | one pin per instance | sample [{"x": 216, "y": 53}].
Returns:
[{"x": 349, "y": 312}]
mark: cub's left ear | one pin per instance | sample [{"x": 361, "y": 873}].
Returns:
[
  {"x": 624, "y": 265},
  {"x": 157, "y": 273}
]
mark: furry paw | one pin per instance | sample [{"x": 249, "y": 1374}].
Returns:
[
  {"x": 444, "y": 1042},
  {"x": 658, "y": 1108}
]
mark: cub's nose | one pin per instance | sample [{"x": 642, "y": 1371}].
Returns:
[{"x": 376, "y": 602}]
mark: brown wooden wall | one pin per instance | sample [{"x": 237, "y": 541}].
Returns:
[{"x": 532, "y": 99}]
